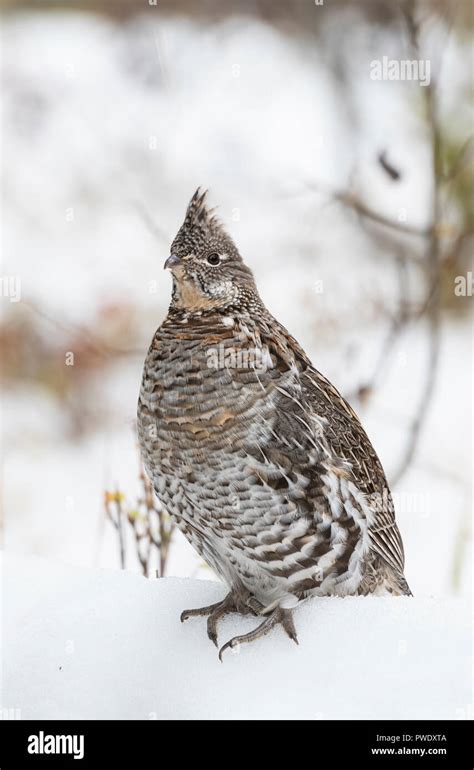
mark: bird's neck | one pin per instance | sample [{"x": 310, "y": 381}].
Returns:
[{"x": 191, "y": 305}]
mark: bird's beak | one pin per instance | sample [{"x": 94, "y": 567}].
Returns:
[{"x": 172, "y": 261}]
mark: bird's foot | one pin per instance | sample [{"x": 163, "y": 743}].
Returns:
[
  {"x": 279, "y": 616},
  {"x": 218, "y": 610}
]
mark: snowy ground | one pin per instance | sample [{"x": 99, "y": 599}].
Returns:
[{"x": 107, "y": 644}]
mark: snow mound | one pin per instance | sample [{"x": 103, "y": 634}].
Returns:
[{"x": 96, "y": 644}]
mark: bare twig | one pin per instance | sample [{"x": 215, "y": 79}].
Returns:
[
  {"x": 151, "y": 526},
  {"x": 463, "y": 537},
  {"x": 78, "y": 330},
  {"x": 116, "y": 517},
  {"x": 388, "y": 167},
  {"x": 161, "y": 62},
  {"x": 424, "y": 400},
  {"x": 402, "y": 317},
  {"x": 150, "y": 223},
  {"x": 351, "y": 201}
]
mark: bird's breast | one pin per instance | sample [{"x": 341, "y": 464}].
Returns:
[{"x": 202, "y": 391}]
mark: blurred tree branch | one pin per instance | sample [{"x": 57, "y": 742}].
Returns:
[
  {"x": 432, "y": 255},
  {"x": 434, "y": 252},
  {"x": 351, "y": 201}
]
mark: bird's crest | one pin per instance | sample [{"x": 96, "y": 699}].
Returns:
[
  {"x": 202, "y": 230},
  {"x": 199, "y": 215}
]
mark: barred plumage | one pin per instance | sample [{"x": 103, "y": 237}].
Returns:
[{"x": 258, "y": 458}]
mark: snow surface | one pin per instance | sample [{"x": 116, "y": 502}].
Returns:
[{"x": 85, "y": 643}]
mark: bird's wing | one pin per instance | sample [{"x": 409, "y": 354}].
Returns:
[
  {"x": 321, "y": 408},
  {"x": 349, "y": 441}
]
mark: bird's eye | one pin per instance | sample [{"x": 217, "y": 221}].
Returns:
[{"x": 213, "y": 258}]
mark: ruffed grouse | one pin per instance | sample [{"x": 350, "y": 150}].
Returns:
[{"x": 260, "y": 461}]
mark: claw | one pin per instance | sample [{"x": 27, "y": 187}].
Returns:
[
  {"x": 212, "y": 635},
  {"x": 198, "y": 612},
  {"x": 288, "y": 625},
  {"x": 215, "y": 612},
  {"x": 230, "y": 644},
  {"x": 279, "y": 616},
  {"x": 224, "y": 608}
]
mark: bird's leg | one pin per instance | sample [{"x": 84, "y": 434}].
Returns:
[
  {"x": 224, "y": 608},
  {"x": 279, "y": 616},
  {"x": 230, "y": 604},
  {"x": 215, "y": 612}
]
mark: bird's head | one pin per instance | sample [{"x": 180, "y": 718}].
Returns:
[{"x": 208, "y": 271}]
